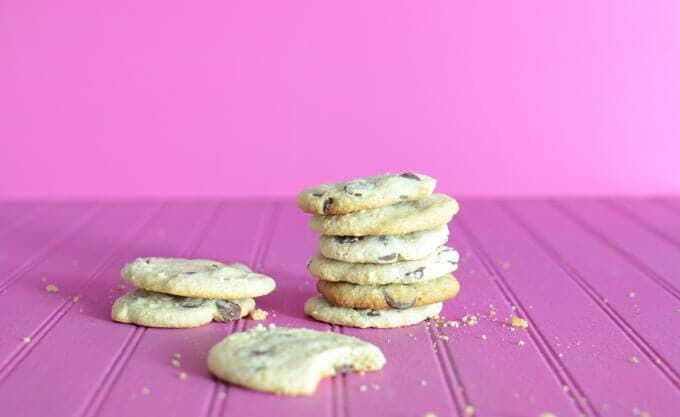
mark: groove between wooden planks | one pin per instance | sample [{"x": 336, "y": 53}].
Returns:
[
  {"x": 95, "y": 402},
  {"x": 456, "y": 389},
  {"x": 55, "y": 317},
  {"x": 636, "y": 338},
  {"x": 265, "y": 233},
  {"x": 50, "y": 246},
  {"x": 642, "y": 222},
  {"x": 630, "y": 258},
  {"x": 549, "y": 355}
]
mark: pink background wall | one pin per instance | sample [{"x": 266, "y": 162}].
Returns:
[{"x": 222, "y": 98}]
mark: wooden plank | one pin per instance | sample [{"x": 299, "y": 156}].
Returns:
[
  {"x": 603, "y": 273},
  {"x": 15, "y": 214},
  {"x": 582, "y": 344},
  {"x": 22, "y": 247},
  {"x": 501, "y": 369},
  {"x": 637, "y": 245},
  {"x": 78, "y": 260},
  {"x": 72, "y": 369}
]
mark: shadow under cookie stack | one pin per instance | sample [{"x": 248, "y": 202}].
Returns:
[{"x": 382, "y": 259}]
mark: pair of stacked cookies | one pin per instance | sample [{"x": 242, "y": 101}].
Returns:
[
  {"x": 382, "y": 258},
  {"x": 174, "y": 292}
]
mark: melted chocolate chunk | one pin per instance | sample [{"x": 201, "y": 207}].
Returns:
[
  {"x": 410, "y": 175},
  {"x": 317, "y": 194},
  {"x": 373, "y": 313},
  {"x": 348, "y": 239},
  {"x": 343, "y": 369},
  {"x": 189, "y": 273},
  {"x": 388, "y": 258},
  {"x": 400, "y": 305},
  {"x": 327, "y": 204},
  {"x": 192, "y": 302},
  {"x": 147, "y": 261},
  {"x": 228, "y": 310},
  {"x": 417, "y": 274},
  {"x": 350, "y": 191}
]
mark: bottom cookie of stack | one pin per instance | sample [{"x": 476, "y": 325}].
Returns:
[{"x": 321, "y": 309}]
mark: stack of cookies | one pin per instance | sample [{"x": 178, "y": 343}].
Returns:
[
  {"x": 382, "y": 260},
  {"x": 174, "y": 292}
]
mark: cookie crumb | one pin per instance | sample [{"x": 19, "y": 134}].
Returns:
[
  {"x": 183, "y": 375},
  {"x": 657, "y": 361},
  {"x": 470, "y": 320},
  {"x": 634, "y": 359},
  {"x": 177, "y": 355},
  {"x": 452, "y": 323},
  {"x": 606, "y": 301},
  {"x": 363, "y": 388},
  {"x": 271, "y": 326},
  {"x": 560, "y": 354},
  {"x": 631, "y": 294},
  {"x": 26, "y": 340},
  {"x": 75, "y": 299},
  {"x": 483, "y": 337},
  {"x": 429, "y": 415},
  {"x": 51, "y": 288},
  {"x": 443, "y": 337},
  {"x": 423, "y": 383},
  {"x": 547, "y": 415},
  {"x": 520, "y": 343},
  {"x": 121, "y": 287},
  {"x": 469, "y": 410},
  {"x": 518, "y": 322},
  {"x": 362, "y": 373},
  {"x": 176, "y": 363},
  {"x": 565, "y": 388},
  {"x": 258, "y": 314},
  {"x": 145, "y": 391}
]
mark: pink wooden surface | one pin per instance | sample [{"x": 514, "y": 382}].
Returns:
[{"x": 598, "y": 281}]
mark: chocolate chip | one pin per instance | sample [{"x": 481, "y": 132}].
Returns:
[
  {"x": 373, "y": 313},
  {"x": 410, "y": 175},
  {"x": 343, "y": 369},
  {"x": 317, "y": 194},
  {"x": 327, "y": 204},
  {"x": 417, "y": 274},
  {"x": 189, "y": 273},
  {"x": 191, "y": 302},
  {"x": 453, "y": 263},
  {"x": 229, "y": 311},
  {"x": 400, "y": 305},
  {"x": 403, "y": 197},
  {"x": 256, "y": 352},
  {"x": 348, "y": 239},
  {"x": 147, "y": 261},
  {"x": 358, "y": 188},
  {"x": 383, "y": 239},
  {"x": 388, "y": 258}
]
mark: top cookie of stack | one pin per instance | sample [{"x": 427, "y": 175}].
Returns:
[{"x": 382, "y": 262}]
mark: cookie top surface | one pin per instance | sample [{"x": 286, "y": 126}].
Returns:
[
  {"x": 197, "y": 278},
  {"x": 365, "y": 193},
  {"x": 443, "y": 261},
  {"x": 383, "y": 249},
  {"x": 289, "y": 360},
  {"x": 390, "y": 296},
  {"x": 153, "y": 309},
  {"x": 322, "y": 310},
  {"x": 404, "y": 217}
]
